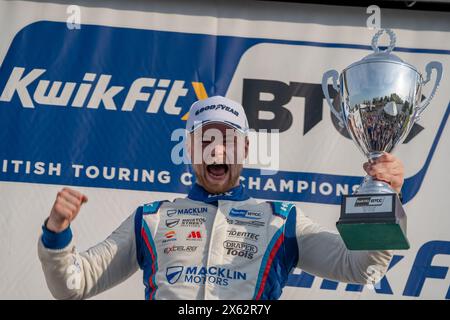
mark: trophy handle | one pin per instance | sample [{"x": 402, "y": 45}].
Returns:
[
  {"x": 392, "y": 40},
  {"x": 335, "y": 76},
  {"x": 430, "y": 66}
]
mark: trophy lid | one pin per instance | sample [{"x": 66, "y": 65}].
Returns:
[{"x": 383, "y": 56}]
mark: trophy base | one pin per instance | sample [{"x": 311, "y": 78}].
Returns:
[{"x": 373, "y": 222}]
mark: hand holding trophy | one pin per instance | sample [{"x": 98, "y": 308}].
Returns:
[{"x": 380, "y": 99}]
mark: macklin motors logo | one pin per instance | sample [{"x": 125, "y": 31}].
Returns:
[{"x": 201, "y": 275}]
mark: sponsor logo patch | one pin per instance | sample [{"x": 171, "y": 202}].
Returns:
[
  {"x": 193, "y": 222},
  {"x": 186, "y": 211},
  {"x": 246, "y": 214},
  {"x": 240, "y": 249},
  {"x": 169, "y": 236},
  {"x": 170, "y": 223},
  {"x": 194, "y": 235},
  {"x": 173, "y": 274},
  {"x": 250, "y": 223},
  {"x": 369, "y": 201},
  {"x": 171, "y": 249},
  {"x": 243, "y": 235},
  {"x": 201, "y": 275}
]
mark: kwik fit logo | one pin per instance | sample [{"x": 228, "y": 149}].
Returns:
[{"x": 93, "y": 90}]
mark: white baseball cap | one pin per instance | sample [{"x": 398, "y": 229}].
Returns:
[{"x": 217, "y": 109}]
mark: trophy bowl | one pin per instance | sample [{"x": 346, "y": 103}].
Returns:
[{"x": 380, "y": 102}]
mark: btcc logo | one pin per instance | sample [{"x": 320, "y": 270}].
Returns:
[
  {"x": 58, "y": 93},
  {"x": 369, "y": 201}
]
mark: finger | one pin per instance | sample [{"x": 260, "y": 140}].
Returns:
[
  {"x": 64, "y": 204},
  {"x": 74, "y": 193},
  {"x": 62, "y": 211},
  {"x": 84, "y": 199},
  {"x": 69, "y": 205},
  {"x": 397, "y": 183},
  {"x": 383, "y": 177},
  {"x": 385, "y": 157},
  {"x": 386, "y": 173},
  {"x": 385, "y": 165},
  {"x": 70, "y": 198},
  {"x": 366, "y": 167},
  {"x": 382, "y": 168}
]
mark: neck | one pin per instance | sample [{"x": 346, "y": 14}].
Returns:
[{"x": 237, "y": 183}]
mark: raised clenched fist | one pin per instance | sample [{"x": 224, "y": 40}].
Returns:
[{"x": 65, "y": 209}]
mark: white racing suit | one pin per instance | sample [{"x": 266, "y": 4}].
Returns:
[{"x": 206, "y": 246}]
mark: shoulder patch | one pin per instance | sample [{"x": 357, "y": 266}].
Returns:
[
  {"x": 152, "y": 208},
  {"x": 281, "y": 209}
]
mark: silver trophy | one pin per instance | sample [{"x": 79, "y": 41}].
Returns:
[{"x": 380, "y": 100}]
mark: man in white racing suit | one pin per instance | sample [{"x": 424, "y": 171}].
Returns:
[{"x": 217, "y": 243}]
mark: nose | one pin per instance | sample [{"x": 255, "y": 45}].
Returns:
[{"x": 219, "y": 152}]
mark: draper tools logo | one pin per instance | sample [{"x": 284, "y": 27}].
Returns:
[{"x": 240, "y": 249}]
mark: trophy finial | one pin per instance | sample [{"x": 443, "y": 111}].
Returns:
[{"x": 377, "y": 35}]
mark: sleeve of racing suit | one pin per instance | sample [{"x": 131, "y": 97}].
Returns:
[
  {"x": 73, "y": 275},
  {"x": 324, "y": 254}
]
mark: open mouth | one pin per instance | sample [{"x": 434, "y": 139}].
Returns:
[{"x": 217, "y": 170}]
